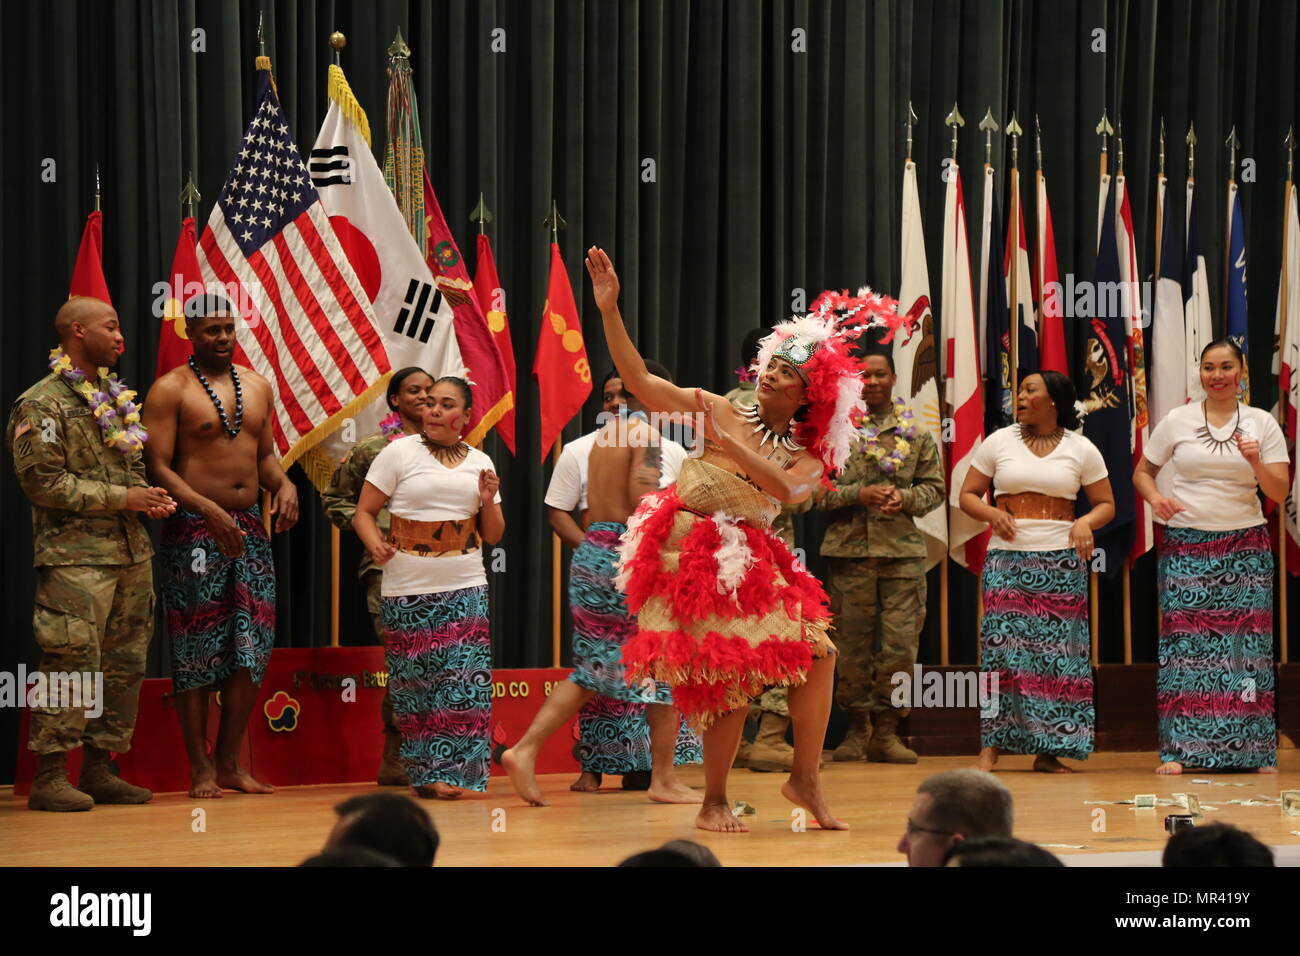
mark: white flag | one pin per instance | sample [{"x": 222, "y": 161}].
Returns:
[
  {"x": 1196, "y": 301},
  {"x": 417, "y": 322},
  {"x": 1286, "y": 361},
  {"x": 916, "y": 359}
]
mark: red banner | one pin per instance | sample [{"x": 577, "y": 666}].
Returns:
[
  {"x": 492, "y": 301},
  {"x": 561, "y": 368}
]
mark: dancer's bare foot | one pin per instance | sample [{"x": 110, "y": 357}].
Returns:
[
  {"x": 806, "y": 792},
  {"x": 988, "y": 758},
  {"x": 203, "y": 782},
  {"x": 673, "y": 791},
  {"x": 719, "y": 818},
  {"x": 1266, "y": 769},
  {"x": 1046, "y": 763},
  {"x": 1171, "y": 768},
  {"x": 587, "y": 782},
  {"x": 438, "y": 790},
  {"x": 519, "y": 764},
  {"x": 237, "y": 778}
]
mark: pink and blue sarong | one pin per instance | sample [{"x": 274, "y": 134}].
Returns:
[
  {"x": 439, "y": 657},
  {"x": 220, "y": 611},
  {"x": 1035, "y": 638},
  {"x": 1214, "y": 689}
]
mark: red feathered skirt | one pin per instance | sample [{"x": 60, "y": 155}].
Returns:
[{"x": 723, "y": 611}]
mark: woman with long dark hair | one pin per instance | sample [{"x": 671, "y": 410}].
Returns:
[
  {"x": 1035, "y": 583},
  {"x": 1214, "y": 690},
  {"x": 444, "y": 501}
]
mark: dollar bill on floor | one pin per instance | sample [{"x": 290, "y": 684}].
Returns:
[{"x": 1291, "y": 803}]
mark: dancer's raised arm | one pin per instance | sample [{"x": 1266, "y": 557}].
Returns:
[{"x": 657, "y": 394}]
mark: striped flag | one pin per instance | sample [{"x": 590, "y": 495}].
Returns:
[
  {"x": 916, "y": 359},
  {"x": 1021, "y": 298},
  {"x": 1139, "y": 432},
  {"x": 308, "y": 325},
  {"x": 967, "y": 538},
  {"x": 1051, "y": 330}
]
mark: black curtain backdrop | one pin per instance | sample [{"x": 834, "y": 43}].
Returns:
[{"x": 776, "y": 132}]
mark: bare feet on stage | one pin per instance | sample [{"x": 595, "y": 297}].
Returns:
[
  {"x": 438, "y": 791},
  {"x": 237, "y": 778},
  {"x": 1046, "y": 763},
  {"x": 587, "y": 782},
  {"x": 1266, "y": 769},
  {"x": 203, "y": 782},
  {"x": 719, "y": 818},
  {"x": 673, "y": 791},
  {"x": 988, "y": 758},
  {"x": 806, "y": 792},
  {"x": 520, "y": 764}
]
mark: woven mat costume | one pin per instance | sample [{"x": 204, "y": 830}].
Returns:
[{"x": 723, "y": 610}]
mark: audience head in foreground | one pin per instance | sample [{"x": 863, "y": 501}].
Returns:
[
  {"x": 953, "y": 806},
  {"x": 389, "y": 824},
  {"x": 998, "y": 851},
  {"x": 675, "y": 853},
  {"x": 1216, "y": 844}
]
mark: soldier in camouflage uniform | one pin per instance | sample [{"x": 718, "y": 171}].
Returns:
[
  {"x": 764, "y": 747},
  {"x": 94, "y": 589},
  {"x": 876, "y": 561},
  {"x": 409, "y": 392}
]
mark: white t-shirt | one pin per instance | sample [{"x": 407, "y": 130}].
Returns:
[
  {"x": 1217, "y": 487},
  {"x": 568, "y": 487},
  {"x": 1005, "y": 458},
  {"x": 422, "y": 488}
]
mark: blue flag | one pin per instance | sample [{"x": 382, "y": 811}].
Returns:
[
  {"x": 1237, "y": 284},
  {"x": 1105, "y": 394}
]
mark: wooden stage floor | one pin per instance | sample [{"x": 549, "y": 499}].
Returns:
[{"x": 601, "y": 829}]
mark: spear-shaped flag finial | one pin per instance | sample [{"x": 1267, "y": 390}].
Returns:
[
  {"x": 1233, "y": 142},
  {"x": 1191, "y": 150},
  {"x": 1161, "y": 169},
  {"x": 1038, "y": 141},
  {"x": 555, "y": 222},
  {"x": 1104, "y": 129},
  {"x": 911, "y": 121},
  {"x": 481, "y": 214},
  {"x": 954, "y": 119},
  {"x": 990, "y": 126},
  {"x": 190, "y": 196},
  {"x": 398, "y": 50},
  {"x": 1289, "y": 143},
  {"x": 1015, "y": 132}
]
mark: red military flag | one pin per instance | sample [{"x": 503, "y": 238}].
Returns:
[
  {"x": 492, "y": 301},
  {"x": 184, "y": 282},
  {"x": 561, "y": 369},
  {"x": 88, "y": 271},
  {"x": 489, "y": 381}
]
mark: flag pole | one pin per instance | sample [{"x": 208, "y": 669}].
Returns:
[
  {"x": 955, "y": 120},
  {"x": 1232, "y": 142},
  {"x": 1104, "y": 129},
  {"x": 1285, "y": 295},
  {"x": 1013, "y": 130},
  {"x": 1161, "y": 178},
  {"x": 555, "y": 223},
  {"x": 337, "y": 42},
  {"x": 1128, "y": 558}
]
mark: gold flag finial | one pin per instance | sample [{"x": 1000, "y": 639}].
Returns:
[
  {"x": 555, "y": 222},
  {"x": 481, "y": 214},
  {"x": 954, "y": 119},
  {"x": 190, "y": 196},
  {"x": 990, "y": 126},
  {"x": 337, "y": 42},
  {"x": 1015, "y": 132}
]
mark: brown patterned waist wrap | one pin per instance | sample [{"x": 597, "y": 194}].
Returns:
[
  {"x": 435, "y": 538},
  {"x": 1032, "y": 505}
]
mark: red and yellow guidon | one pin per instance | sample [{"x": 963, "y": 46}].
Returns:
[{"x": 282, "y": 712}]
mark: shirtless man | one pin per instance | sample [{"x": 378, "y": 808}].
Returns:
[
  {"x": 625, "y": 465},
  {"x": 210, "y": 447}
]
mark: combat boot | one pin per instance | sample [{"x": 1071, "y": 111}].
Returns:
[
  {"x": 885, "y": 746},
  {"x": 854, "y": 745},
  {"x": 392, "y": 772},
  {"x": 104, "y": 786},
  {"x": 770, "y": 753},
  {"x": 51, "y": 789}
]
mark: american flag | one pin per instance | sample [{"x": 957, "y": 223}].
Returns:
[{"x": 309, "y": 329}]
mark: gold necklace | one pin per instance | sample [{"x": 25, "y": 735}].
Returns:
[
  {"x": 449, "y": 455},
  {"x": 1041, "y": 444}
]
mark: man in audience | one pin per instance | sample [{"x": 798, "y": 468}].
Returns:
[
  {"x": 1217, "y": 844},
  {"x": 390, "y": 824},
  {"x": 953, "y": 806},
  {"x": 998, "y": 851}
]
